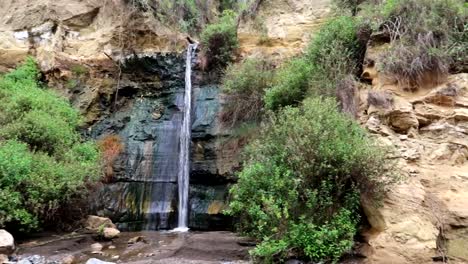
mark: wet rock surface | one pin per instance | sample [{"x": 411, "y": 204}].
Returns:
[
  {"x": 143, "y": 192},
  {"x": 158, "y": 247}
]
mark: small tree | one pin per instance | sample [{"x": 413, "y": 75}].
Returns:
[{"x": 219, "y": 41}]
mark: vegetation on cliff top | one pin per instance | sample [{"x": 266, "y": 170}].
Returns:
[
  {"x": 333, "y": 54},
  {"x": 44, "y": 163},
  {"x": 427, "y": 38},
  {"x": 219, "y": 41}
]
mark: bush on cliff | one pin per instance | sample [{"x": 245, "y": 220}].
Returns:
[
  {"x": 43, "y": 162},
  {"x": 333, "y": 53},
  {"x": 219, "y": 41},
  {"x": 427, "y": 38},
  {"x": 244, "y": 85},
  {"x": 299, "y": 190}
]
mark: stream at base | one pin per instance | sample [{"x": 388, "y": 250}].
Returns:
[{"x": 148, "y": 247}]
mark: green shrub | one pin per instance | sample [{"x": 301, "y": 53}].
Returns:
[
  {"x": 299, "y": 190},
  {"x": 333, "y": 53},
  {"x": 291, "y": 84},
  {"x": 244, "y": 85},
  {"x": 219, "y": 41},
  {"x": 79, "y": 70},
  {"x": 43, "y": 163}
]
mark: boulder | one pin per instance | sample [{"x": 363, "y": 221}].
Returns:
[
  {"x": 94, "y": 223},
  {"x": 402, "y": 121},
  {"x": 137, "y": 239},
  {"x": 34, "y": 259},
  {"x": 3, "y": 259},
  {"x": 96, "y": 248},
  {"x": 110, "y": 233},
  {"x": 7, "y": 242},
  {"x": 97, "y": 261},
  {"x": 68, "y": 259}
]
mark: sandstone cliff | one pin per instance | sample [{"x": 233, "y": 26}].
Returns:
[
  {"x": 281, "y": 28},
  {"x": 425, "y": 217}
]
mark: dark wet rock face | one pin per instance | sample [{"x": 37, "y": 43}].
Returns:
[{"x": 144, "y": 192}]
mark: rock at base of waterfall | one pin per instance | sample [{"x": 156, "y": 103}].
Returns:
[
  {"x": 7, "y": 242},
  {"x": 34, "y": 259},
  {"x": 137, "y": 239},
  {"x": 94, "y": 223},
  {"x": 3, "y": 259},
  {"x": 97, "y": 261},
  {"x": 110, "y": 233},
  {"x": 96, "y": 248},
  {"x": 68, "y": 259}
]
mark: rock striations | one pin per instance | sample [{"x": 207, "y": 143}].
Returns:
[{"x": 425, "y": 217}]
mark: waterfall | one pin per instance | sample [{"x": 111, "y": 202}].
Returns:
[{"x": 185, "y": 139}]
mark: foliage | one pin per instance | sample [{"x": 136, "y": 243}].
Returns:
[
  {"x": 219, "y": 41},
  {"x": 244, "y": 85},
  {"x": 79, "y": 70},
  {"x": 43, "y": 163},
  {"x": 351, "y": 5},
  {"x": 186, "y": 14},
  {"x": 236, "y": 5},
  {"x": 427, "y": 38},
  {"x": 333, "y": 54},
  {"x": 299, "y": 189},
  {"x": 111, "y": 146},
  {"x": 412, "y": 64}
]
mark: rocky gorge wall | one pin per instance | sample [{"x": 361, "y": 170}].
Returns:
[
  {"x": 143, "y": 193},
  {"x": 88, "y": 49},
  {"x": 424, "y": 218}
]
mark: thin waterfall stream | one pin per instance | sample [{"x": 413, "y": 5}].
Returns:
[{"x": 185, "y": 139}]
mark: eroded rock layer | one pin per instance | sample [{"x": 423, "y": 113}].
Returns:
[
  {"x": 280, "y": 29},
  {"x": 425, "y": 217}
]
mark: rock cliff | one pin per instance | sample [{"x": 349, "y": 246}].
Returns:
[
  {"x": 424, "y": 218},
  {"x": 280, "y": 29},
  {"x": 124, "y": 70},
  {"x": 79, "y": 47},
  {"x": 78, "y": 44}
]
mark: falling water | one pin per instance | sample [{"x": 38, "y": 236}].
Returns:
[{"x": 185, "y": 138}]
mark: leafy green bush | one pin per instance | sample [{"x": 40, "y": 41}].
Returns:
[
  {"x": 43, "y": 163},
  {"x": 299, "y": 190},
  {"x": 291, "y": 84},
  {"x": 244, "y": 85},
  {"x": 219, "y": 41},
  {"x": 333, "y": 53}
]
